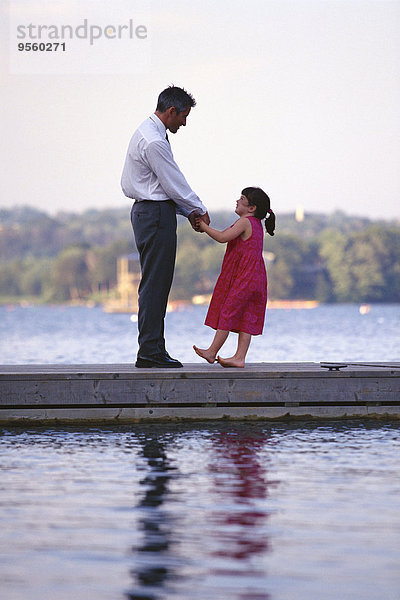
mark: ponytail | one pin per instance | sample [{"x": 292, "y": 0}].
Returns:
[{"x": 270, "y": 222}]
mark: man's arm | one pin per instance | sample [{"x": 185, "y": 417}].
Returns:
[{"x": 171, "y": 178}]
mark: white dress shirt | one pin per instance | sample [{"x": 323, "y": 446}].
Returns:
[{"x": 151, "y": 173}]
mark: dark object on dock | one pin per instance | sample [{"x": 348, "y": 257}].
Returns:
[
  {"x": 121, "y": 393},
  {"x": 333, "y": 366}
]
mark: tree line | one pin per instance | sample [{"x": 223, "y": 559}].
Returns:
[{"x": 330, "y": 258}]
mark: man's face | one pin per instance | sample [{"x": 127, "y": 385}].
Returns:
[{"x": 177, "y": 119}]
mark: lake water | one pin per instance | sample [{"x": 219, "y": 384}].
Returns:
[
  {"x": 205, "y": 511},
  {"x": 208, "y": 512},
  {"x": 80, "y": 335}
]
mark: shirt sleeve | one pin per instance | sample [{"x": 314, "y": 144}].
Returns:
[{"x": 171, "y": 179}]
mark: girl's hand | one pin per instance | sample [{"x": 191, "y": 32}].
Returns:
[{"x": 200, "y": 225}]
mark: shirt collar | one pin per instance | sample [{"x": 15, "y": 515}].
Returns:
[{"x": 160, "y": 125}]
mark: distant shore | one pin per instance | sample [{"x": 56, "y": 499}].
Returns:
[{"x": 12, "y": 303}]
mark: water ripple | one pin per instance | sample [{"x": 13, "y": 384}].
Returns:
[{"x": 238, "y": 511}]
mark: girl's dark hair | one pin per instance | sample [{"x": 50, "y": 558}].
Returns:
[
  {"x": 258, "y": 198},
  {"x": 175, "y": 96}
]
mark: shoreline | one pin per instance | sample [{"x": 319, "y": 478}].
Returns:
[{"x": 179, "y": 305}]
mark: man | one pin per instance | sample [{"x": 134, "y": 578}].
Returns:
[{"x": 152, "y": 177}]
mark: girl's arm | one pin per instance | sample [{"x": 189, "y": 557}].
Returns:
[{"x": 241, "y": 226}]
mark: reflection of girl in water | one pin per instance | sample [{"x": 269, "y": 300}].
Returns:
[{"x": 244, "y": 481}]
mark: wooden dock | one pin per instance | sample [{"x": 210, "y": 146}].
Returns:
[{"x": 122, "y": 393}]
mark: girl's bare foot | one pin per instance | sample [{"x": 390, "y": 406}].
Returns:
[
  {"x": 206, "y": 354},
  {"x": 231, "y": 362}
]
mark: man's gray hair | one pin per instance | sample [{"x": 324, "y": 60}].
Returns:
[{"x": 177, "y": 97}]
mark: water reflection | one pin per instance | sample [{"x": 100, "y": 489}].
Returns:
[
  {"x": 226, "y": 511},
  {"x": 224, "y": 543},
  {"x": 151, "y": 557},
  {"x": 242, "y": 526}
]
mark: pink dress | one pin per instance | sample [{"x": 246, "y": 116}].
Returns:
[{"x": 240, "y": 295}]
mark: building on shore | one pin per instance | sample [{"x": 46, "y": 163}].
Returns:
[{"x": 128, "y": 279}]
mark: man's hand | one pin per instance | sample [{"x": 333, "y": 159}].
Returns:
[{"x": 194, "y": 217}]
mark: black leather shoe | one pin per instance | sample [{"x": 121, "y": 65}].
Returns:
[
  {"x": 160, "y": 361},
  {"x": 167, "y": 356}
]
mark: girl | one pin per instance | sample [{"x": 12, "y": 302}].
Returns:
[{"x": 240, "y": 295}]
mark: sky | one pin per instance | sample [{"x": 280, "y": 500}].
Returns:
[{"x": 299, "y": 97}]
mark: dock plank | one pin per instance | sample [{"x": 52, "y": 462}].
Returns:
[{"x": 261, "y": 390}]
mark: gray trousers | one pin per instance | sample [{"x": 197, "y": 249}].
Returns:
[{"x": 154, "y": 228}]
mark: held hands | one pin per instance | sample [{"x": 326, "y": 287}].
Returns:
[
  {"x": 200, "y": 223},
  {"x": 197, "y": 220}
]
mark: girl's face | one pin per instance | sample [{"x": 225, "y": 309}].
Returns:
[{"x": 242, "y": 206}]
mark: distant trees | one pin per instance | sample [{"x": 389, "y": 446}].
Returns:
[
  {"x": 291, "y": 273},
  {"x": 73, "y": 257},
  {"x": 365, "y": 266},
  {"x": 80, "y": 271},
  {"x": 332, "y": 267}
]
